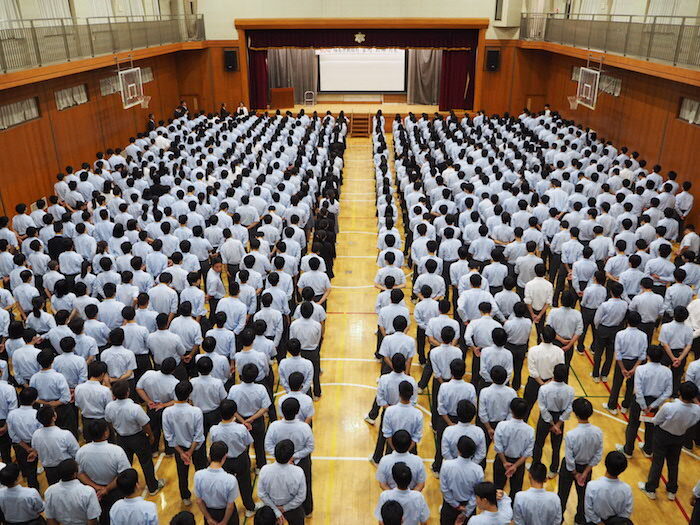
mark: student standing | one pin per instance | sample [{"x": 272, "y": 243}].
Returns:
[
  {"x": 21, "y": 425},
  {"x": 183, "y": 430},
  {"x": 238, "y": 440},
  {"x": 69, "y": 501},
  {"x": 282, "y": 486},
  {"x": 52, "y": 444},
  {"x": 537, "y": 506},
  {"x": 495, "y": 507},
  {"x": 217, "y": 490},
  {"x": 22, "y": 504},
  {"x": 458, "y": 478},
  {"x": 513, "y": 443},
  {"x": 583, "y": 450},
  {"x": 134, "y": 434},
  {"x": 672, "y": 421},
  {"x": 415, "y": 509},
  {"x": 608, "y": 496},
  {"x": 133, "y": 509}
]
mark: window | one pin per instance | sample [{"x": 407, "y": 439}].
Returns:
[
  {"x": 109, "y": 85},
  {"x": 499, "y": 10},
  {"x": 690, "y": 111},
  {"x": 18, "y": 112},
  {"x": 607, "y": 84},
  {"x": 72, "y": 96},
  {"x": 146, "y": 75}
]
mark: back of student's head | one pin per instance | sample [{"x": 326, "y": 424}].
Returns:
[
  {"x": 28, "y": 396},
  {"x": 560, "y": 372},
  {"x": 392, "y": 513},
  {"x": 401, "y": 474},
  {"x": 46, "y": 415},
  {"x": 67, "y": 469},
  {"x": 615, "y": 463},
  {"x": 401, "y": 440},
  {"x": 120, "y": 389},
  {"x": 10, "y": 474},
  {"x": 518, "y": 406},
  {"x": 290, "y": 408},
  {"x": 548, "y": 334},
  {"x": 405, "y": 390},
  {"x": 486, "y": 490},
  {"x": 184, "y": 517},
  {"x": 96, "y": 429},
  {"x": 582, "y": 407},
  {"x": 183, "y": 390},
  {"x": 284, "y": 450},
  {"x": 218, "y": 451},
  {"x": 457, "y": 368},
  {"x": 655, "y": 353},
  {"x": 538, "y": 472},
  {"x": 688, "y": 391},
  {"x": 249, "y": 373},
  {"x": 465, "y": 411},
  {"x": 466, "y": 447},
  {"x": 498, "y": 374},
  {"x": 398, "y": 362},
  {"x": 127, "y": 481}
]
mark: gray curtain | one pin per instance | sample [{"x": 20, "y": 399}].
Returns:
[
  {"x": 295, "y": 68},
  {"x": 424, "y": 67}
]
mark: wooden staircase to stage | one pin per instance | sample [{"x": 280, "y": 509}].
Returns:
[{"x": 360, "y": 124}]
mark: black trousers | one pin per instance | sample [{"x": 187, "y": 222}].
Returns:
[
  {"x": 617, "y": 385},
  {"x": 519, "y": 352},
  {"x": 380, "y": 446},
  {"x": 666, "y": 448},
  {"x": 539, "y": 326},
  {"x": 532, "y": 389},
  {"x": 308, "y": 505},
  {"x": 107, "y": 502},
  {"x": 218, "y": 515},
  {"x": 199, "y": 460},
  {"x": 210, "y": 419},
  {"x": 605, "y": 344},
  {"x": 315, "y": 357},
  {"x": 587, "y": 314},
  {"x": 499, "y": 476},
  {"x": 449, "y": 514},
  {"x": 295, "y": 516},
  {"x": 144, "y": 363},
  {"x": 676, "y": 371},
  {"x": 240, "y": 467},
  {"x": 5, "y": 445},
  {"x": 257, "y": 432},
  {"x": 52, "y": 475},
  {"x": 420, "y": 344},
  {"x": 137, "y": 444},
  {"x": 633, "y": 427},
  {"x": 28, "y": 468},
  {"x": 541, "y": 432},
  {"x": 156, "y": 424},
  {"x": 439, "y": 431},
  {"x": 566, "y": 480},
  {"x": 67, "y": 418},
  {"x": 648, "y": 329}
]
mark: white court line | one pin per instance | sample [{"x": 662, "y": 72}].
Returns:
[
  {"x": 422, "y": 409},
  {"x": 356, "y": 257},
  {"x": 155, "y": 469},
  {"x": 358, "y": 360}
]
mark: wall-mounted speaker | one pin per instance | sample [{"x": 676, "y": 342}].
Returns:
[
  {"x": 493, "y": 59},
  {"x": 231, "y": 59}
]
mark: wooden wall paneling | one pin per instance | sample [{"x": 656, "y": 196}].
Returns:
[
  {"x": 193, "y": 75},
  {"x": 28, "y": 154},
  {"x": 497, "y": 85}
]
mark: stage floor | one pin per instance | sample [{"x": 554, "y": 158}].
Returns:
[{"x": 388, "y": 108}]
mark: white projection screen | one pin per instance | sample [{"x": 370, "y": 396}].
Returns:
[{"x": 362, "y": 70}]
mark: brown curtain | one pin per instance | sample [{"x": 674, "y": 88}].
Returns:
[
  {"x": 295, "y": 68},
  {"x": 424, "y": 66}
]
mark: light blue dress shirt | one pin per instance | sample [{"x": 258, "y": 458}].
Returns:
[{"x": 215, "y": 487}]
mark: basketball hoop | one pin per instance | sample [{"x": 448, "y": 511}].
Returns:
[
  {"x": 573, "y": 102},
  {"x": 145, "y": 100}
]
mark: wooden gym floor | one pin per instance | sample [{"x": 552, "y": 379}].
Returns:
[{"x": 345, "y": 490}]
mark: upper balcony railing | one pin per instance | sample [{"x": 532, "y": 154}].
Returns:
[
  {"x": 668, "y": 39},
  {"x": 26, "y": 44}
]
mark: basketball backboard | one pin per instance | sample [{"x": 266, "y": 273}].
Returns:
[
  {"x": 587, "y": 91},
  {"x": 131, "y": 87}
]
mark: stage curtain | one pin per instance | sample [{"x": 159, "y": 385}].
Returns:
[
  {"x": 257, "y": 73},
  {"x": 388, "y": 38},
  {"x": 424, "y": 67},
  {"x": 295, "y": 68},
  {"x": 456, "y": 80}
]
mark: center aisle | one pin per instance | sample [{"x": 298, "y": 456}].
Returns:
[{"x": 345, "y": 489}]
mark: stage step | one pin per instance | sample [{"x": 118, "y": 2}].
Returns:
[{"x": 360, "y": 124}]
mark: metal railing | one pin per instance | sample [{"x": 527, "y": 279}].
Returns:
[
  {"x": 32, "y": 43},
  {"x": 670, "y": 39}
]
